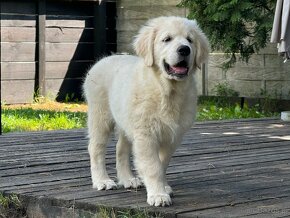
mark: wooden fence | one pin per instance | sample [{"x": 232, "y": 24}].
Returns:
[
  {"x": 77, "y": 32},
  {"x": 47, "y": 46}
]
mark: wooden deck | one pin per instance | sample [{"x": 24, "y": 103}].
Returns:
[{"x": 223, "y": 169}]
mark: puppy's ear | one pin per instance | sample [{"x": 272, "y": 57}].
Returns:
[
  {"x": 203, "y": 46},
  {"x": 144, "y": 44}
]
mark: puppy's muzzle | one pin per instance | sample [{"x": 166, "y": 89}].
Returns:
[{"x": 180, "y": 69}]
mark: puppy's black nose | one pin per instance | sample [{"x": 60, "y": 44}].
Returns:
[{"x": 183, "y": 50}]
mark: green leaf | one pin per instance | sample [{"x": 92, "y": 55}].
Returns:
[
  {"x": 226, "y": 23},
  {"x": 237, "y": 109}
]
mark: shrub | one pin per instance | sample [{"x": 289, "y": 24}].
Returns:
[
  {"x": 225, "y": 89},
  {"x": 234, "y": 26}
]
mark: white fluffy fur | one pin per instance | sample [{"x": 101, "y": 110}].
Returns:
[{"x": 150, "y": 108}]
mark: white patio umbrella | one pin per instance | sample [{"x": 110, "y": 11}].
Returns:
[{"x": 281, "y": 28}]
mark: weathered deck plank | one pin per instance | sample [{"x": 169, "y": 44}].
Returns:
[{"x": 235, "y": 168}]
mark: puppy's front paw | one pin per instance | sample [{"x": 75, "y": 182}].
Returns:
[
  {"x": 159, "y": 200},
  {"x": 105, "y": 184},
  {"x": 133, "y": 182}
]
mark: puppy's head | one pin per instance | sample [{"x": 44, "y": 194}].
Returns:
[{"x": 177, "y": 46}]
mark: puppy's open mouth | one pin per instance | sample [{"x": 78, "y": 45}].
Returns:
[{"x": 179, "y": 70}]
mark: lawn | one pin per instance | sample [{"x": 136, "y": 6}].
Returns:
[
  {"x": 50, "y": 115},
  {"x": 212, "y": 110},
  {"x": 47, "y": 115}
]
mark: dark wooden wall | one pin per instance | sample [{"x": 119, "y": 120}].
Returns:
[
  {"x": 18, "y": 47},
  {"x": 47, "y": 46}
]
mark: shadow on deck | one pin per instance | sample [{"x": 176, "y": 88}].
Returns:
[{"x": 223, "y": 169}]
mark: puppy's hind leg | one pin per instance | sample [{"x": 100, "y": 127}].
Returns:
[
  {"x": 124, "y": 173},
  {"x": 99, "y": 125}
]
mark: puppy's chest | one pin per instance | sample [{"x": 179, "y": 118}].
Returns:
[
  {"x": 172, "y": 120},
  {"x": 164, "y": 112},
  {"x": 173, "y": 111},
  {"x": 170, "y": 111}
]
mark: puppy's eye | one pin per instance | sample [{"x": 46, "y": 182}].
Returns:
[
  {"x": 189, "y": 40},
  {"x": 167, "y": 39}
]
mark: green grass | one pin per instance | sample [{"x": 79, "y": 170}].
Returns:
[
  {"x": 213, "y": 111},
  {"x": 17, "y": 120},
  {"x": 125, "y": 213},
  {"x": 11, "y": 206},
  {"x": 28, "y": 119}
]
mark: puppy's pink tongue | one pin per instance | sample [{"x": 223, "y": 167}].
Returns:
[{"x": 180, "y": 70}]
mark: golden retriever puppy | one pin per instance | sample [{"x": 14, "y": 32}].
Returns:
[{"x": 150, "y": 99}]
